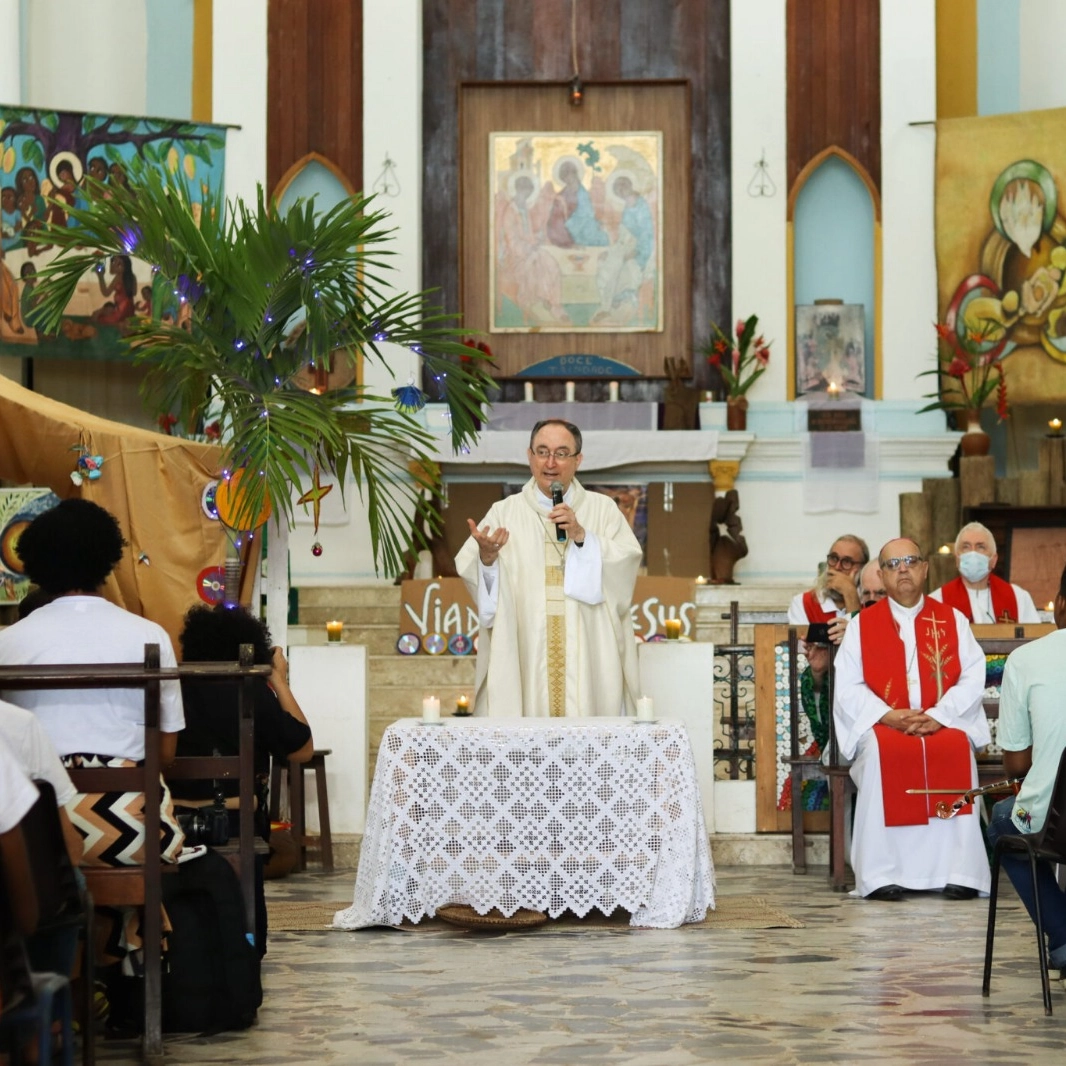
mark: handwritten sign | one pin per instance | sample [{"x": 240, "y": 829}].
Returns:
[{"x": 443, "y": 605}]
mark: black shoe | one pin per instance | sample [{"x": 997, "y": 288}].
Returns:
[
  {"x": 959, "y": 892},
  {"x": 888, "y": 893}
]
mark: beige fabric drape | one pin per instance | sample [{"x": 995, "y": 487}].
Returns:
[{"x": 150, "y": 482}]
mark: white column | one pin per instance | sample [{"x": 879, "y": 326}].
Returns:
[
  {"x": 239, "y": 80},
  {"x": 908, "y": 153},
  {"x": 10, "y": 52},
  {"x": 392, "y": 126},
  {"x": 758, "y": 129}
]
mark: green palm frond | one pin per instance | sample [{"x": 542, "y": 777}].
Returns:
[{"x": 264, "y": 294}]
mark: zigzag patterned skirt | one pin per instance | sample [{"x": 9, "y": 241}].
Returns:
[{"x": 111, "y": 825}]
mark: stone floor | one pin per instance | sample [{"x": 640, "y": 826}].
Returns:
[{"x": 864, "y": 982}]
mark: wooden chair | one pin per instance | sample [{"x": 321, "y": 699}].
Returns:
[{"x": 141, "y": 886}]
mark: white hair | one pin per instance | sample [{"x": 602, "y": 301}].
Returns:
[{"x": 976, "y": 527}]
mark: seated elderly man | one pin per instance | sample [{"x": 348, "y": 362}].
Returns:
[
  {"x": 871, "y": 587},
  {"x": 834, "y": 598},
  {"x": 908, "y": 710},
  {"x": 977, "y": 592}
]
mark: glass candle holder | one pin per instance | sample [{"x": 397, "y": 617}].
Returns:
[
  {"x": 672, "y": 626},
  {"x": 334, "y": 632}
]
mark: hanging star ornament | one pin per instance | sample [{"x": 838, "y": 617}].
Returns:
[{"x": 314, "y": 494}]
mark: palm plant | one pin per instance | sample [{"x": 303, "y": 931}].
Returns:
[{"x": 261, "y": 296}]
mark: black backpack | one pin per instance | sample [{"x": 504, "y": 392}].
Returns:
[{"x": 211, "y": 980}]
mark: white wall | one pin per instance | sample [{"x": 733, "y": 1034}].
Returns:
[
  {"x": 1042, "y": 25},
  {"x": 758, "y": 125},
  {"x": 908, "y": 94}
]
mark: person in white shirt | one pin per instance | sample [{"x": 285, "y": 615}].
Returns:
[
  {"x": 554, "y": 586},
  {"x": 977, "y": 592}
]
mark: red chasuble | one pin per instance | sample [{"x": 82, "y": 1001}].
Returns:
[
  {"x": 940, "y": 760},
  {"x": 813, "y": 609},
  {"x": 1004, "y": 602}
]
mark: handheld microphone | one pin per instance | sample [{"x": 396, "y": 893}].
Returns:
[{"x": 557, "y": 498}]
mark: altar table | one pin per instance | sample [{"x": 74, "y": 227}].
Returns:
[{"x": 546, "y": 813}]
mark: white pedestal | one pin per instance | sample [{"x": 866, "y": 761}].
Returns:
[
  {"x": 330, "y": 684},
  {"x": 679, "y": 677}
]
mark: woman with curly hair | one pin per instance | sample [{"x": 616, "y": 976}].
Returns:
[
  {"x": 69, "y": 551},
  {"x": 215, "y": 634}
]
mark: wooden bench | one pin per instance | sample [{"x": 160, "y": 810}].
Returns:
[{"x": 142, "y": 885}]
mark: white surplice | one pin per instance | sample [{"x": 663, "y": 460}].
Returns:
[
  {"x": 598, "y": 579},
  {"x": 940, "y": 852}
]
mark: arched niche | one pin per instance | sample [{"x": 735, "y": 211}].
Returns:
[
  {"x": 834, "y": 248},
  {"x": 314, "y": 175}
]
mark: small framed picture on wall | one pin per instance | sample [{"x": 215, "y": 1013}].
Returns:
[{"x": 830, "y": 348}]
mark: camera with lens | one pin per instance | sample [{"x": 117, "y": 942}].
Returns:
[{"x": 207, "y": 825}]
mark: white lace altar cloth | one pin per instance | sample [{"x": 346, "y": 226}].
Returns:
[{"x": 550, "y": 814}]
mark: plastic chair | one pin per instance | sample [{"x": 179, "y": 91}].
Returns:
[{"x": 1049, "y": 845}]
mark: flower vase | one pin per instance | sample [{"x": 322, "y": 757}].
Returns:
[
  {"x": 975, "y": 441},
  {"x": 736, "y": 413}
]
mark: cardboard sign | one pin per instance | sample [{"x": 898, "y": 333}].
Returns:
[
  {"x": 443, "y": 605},
  {"x": 657, "y": 598}
]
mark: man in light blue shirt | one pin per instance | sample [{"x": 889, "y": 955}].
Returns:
[{"x": 1032, "y": 733}]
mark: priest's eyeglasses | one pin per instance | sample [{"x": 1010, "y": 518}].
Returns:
[
  {"x": 909, "y": 561},
  {"x": 560, "y": 455},
  {"x": 842, "y": 562}
]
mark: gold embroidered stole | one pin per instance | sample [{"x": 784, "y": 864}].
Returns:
[{"x": 555, "y": 617}]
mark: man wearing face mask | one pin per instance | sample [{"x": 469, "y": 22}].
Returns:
[{"x": 981, "y": 596}]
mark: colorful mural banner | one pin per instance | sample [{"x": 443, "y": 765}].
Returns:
[
  {"x": 1001, "y": 244},
  {"x": 45, "y": 157},
  {"x": 18, "y": 508}
]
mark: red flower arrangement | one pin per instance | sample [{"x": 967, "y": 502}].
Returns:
[
  {"x": 741, "y": 359},
  {"x": 970, "y": 367}
]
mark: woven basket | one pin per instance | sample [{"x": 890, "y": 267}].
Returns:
[{"x": 468, "y": 918}]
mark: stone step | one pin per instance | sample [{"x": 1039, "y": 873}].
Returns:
[
  {"x": 349, "y": 596},
  {"x": 352, "y": 614},
  {"x": 377, "y": 639},
  {"x": 421, "y": 671}
]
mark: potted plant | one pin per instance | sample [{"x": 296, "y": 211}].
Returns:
[
  {"x": 253, "y": 312},
  {"x": 741, "y": 359},
  {"x": 969, "y": 370}
]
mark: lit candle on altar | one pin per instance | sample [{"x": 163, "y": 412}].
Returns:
[
  {"x": 834, "y": 391},
  {"x": 945, "y": 549},
  {"x": 645, "y": 710},
  {"x": 673, "y": 628},
  {"x": 569, "y": 392},
  {"x": 431, "y": 709},
  {"x": 612, "y": 391},
  {"x": 701, "y": 580},
  {"x": 527, "y": 392},
  {"x": 1050, "y": 606},
  {"x": 1055, "y": 427},
  {"x": 462, "y": 705},
  {"x": 334, "y": 630}
]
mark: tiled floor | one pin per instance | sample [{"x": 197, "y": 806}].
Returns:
[{"x": 863, "y": 983}]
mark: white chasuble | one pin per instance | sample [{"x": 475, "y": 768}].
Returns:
[{"x": 556, "y": 632}]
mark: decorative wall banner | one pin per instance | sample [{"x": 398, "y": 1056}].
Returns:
[
  {"x": 575, "y": 223},
  {"x": 1001, "y": 244},
  {"x": 45, "y": 158},
  {"x": 18, "y": 508}
]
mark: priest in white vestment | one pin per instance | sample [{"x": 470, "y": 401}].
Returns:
[
  {"x": 556, "y": 636},
  {"x": 910, "y": 679}
]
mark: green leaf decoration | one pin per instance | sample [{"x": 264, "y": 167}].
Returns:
[{"x": 260, "y": 296}]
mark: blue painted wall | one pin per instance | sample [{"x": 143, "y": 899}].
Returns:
[
  {"x": 169, "y": 59},
  {"x": 833, "y": 228},
  {"x": 998, "y": 56}
]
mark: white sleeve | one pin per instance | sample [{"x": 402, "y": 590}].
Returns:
[
  {"x": 17, "y": 792},
  {"x": 43, "y": 763},
  {"x": 488, "y": 593},
  {"x": 171, "y": 709},
  {"x": 583, "y": 574},
  {"x": 1027, "y": 611},
  {"x": 855, "y": 707}
]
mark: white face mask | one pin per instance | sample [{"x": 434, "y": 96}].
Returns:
[{"x": 974, "y": 566}]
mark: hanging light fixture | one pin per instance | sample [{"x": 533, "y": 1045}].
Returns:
[{"x": 577, "y": 88}]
